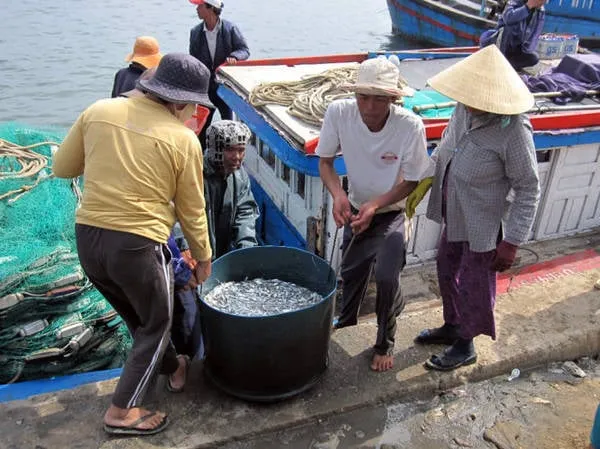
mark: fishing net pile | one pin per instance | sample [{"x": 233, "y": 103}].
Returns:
[{"x": 52, "y": 321}]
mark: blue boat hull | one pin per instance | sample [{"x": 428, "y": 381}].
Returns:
[
  {"x": 587, "y": 30},
  {"x": 428, "y": 22},
  {"x": 435, "y": 23}
]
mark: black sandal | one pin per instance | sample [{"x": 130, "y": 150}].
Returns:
[
  {"x": 436, "y": 336},
  {"x": 449, "y": 362}
]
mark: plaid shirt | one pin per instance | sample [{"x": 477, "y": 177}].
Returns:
[{"x": 484, "y": 157}]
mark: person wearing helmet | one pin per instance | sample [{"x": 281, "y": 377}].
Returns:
[
  {"x": 230, "y": 205},
  {"x": 145, "y": 55},
  {"x": 231, "y": 212},
  {"x": 216, "y": 41}
]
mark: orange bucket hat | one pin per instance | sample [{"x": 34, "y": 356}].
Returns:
[{"x": 145, "y": 52}]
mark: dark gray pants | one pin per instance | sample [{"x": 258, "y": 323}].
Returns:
[
  {"x": 133, "y": 273},
  {"x": 379, "y": 248}
]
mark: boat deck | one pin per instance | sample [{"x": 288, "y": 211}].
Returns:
[{"x": 244, "y": 78}]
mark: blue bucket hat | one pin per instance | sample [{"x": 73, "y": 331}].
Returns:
[{"x": 179, "y": 78}]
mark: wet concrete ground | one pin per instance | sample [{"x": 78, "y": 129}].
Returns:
[{"x": 547, "y": 408}]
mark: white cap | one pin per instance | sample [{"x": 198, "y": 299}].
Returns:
[{"x": 377, "y": 76}]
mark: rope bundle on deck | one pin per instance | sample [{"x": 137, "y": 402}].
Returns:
[{"x": 308, "y": 98}]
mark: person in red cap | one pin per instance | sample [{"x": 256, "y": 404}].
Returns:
[
  {"x": 145, "y": 55},
  {"x": 216, "y": 41}
]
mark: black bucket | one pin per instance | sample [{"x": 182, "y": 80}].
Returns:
[{"x": 269, "y": 358}]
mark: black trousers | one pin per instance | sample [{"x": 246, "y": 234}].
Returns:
[
  {"x": 134, "y": 274},
  {"x": 381, "y": 249},
  {"x": 224, "y": 110}
]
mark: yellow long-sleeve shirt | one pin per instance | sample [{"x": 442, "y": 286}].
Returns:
[{"x": 141, "y": 168}]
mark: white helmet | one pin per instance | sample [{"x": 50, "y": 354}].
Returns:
[{"x": 223, "y": 134}]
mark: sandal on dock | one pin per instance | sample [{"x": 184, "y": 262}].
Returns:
[
  {"x": 449, "y": 362},
  {"x": 436, "y": 336},
  {"x": 133, "y": 428}
]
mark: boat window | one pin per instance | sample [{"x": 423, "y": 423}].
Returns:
[
  {"x": 543, "y": 156},
  {"x": 285, "y": 173},
  {"x": 301, "y": 184},
  {"x": 267, "y": 154}
]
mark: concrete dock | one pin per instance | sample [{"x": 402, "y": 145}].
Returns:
[{"x": 548, "y": 310}]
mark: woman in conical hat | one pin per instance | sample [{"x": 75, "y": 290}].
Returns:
[{"x": 487, "y": 150}]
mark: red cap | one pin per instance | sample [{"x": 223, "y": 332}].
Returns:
[{"x": 216, "y": 3}]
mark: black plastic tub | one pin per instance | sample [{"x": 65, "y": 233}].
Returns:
[{"x": 269, "y": 358}]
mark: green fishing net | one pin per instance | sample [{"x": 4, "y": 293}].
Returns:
[{"x": 52, "y": 321}]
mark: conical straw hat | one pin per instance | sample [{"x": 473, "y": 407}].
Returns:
[{"x": 485, "y": 81}]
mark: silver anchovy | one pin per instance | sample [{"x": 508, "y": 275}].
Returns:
[{"x": 260, "y": 297}]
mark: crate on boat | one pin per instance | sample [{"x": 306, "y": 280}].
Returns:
[{"x": 556, "y": 46}]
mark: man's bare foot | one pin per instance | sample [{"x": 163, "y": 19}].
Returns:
[
  {"x": 178, "y": 378},
  {"x": 382, "y": 363},
  {"x": 124, "y": 417}
]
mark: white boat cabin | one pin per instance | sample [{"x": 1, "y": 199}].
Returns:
[{"x": 296, "y": 207}]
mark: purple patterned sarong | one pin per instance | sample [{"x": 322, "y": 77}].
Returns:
[{"x": 468, "y": 288}]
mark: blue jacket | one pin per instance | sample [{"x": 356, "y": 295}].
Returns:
[
  {"x": 181, "y": 270},
  {"x": 519, "y": 30},
  {"x": 126, "y": 78},
  {"x": 230, "y": 42}
]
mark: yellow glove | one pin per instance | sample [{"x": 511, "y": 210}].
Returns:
[{"x": 415, "y": 197}]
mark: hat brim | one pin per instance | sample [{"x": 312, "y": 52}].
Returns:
[
  {"x": 485, "y": 81},
  {"x": 370, "y": 89},
  {"x": 149, "y": 61},
  {"x": 174, "y": 94}
]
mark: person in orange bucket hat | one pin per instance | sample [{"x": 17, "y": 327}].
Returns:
[{"x": 145, "y": 55}]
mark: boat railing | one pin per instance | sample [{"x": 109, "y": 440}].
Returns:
[{"x": 583, "y": 9}]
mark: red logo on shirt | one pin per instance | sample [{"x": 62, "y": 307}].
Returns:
[{"x": 389, "y": 157}]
